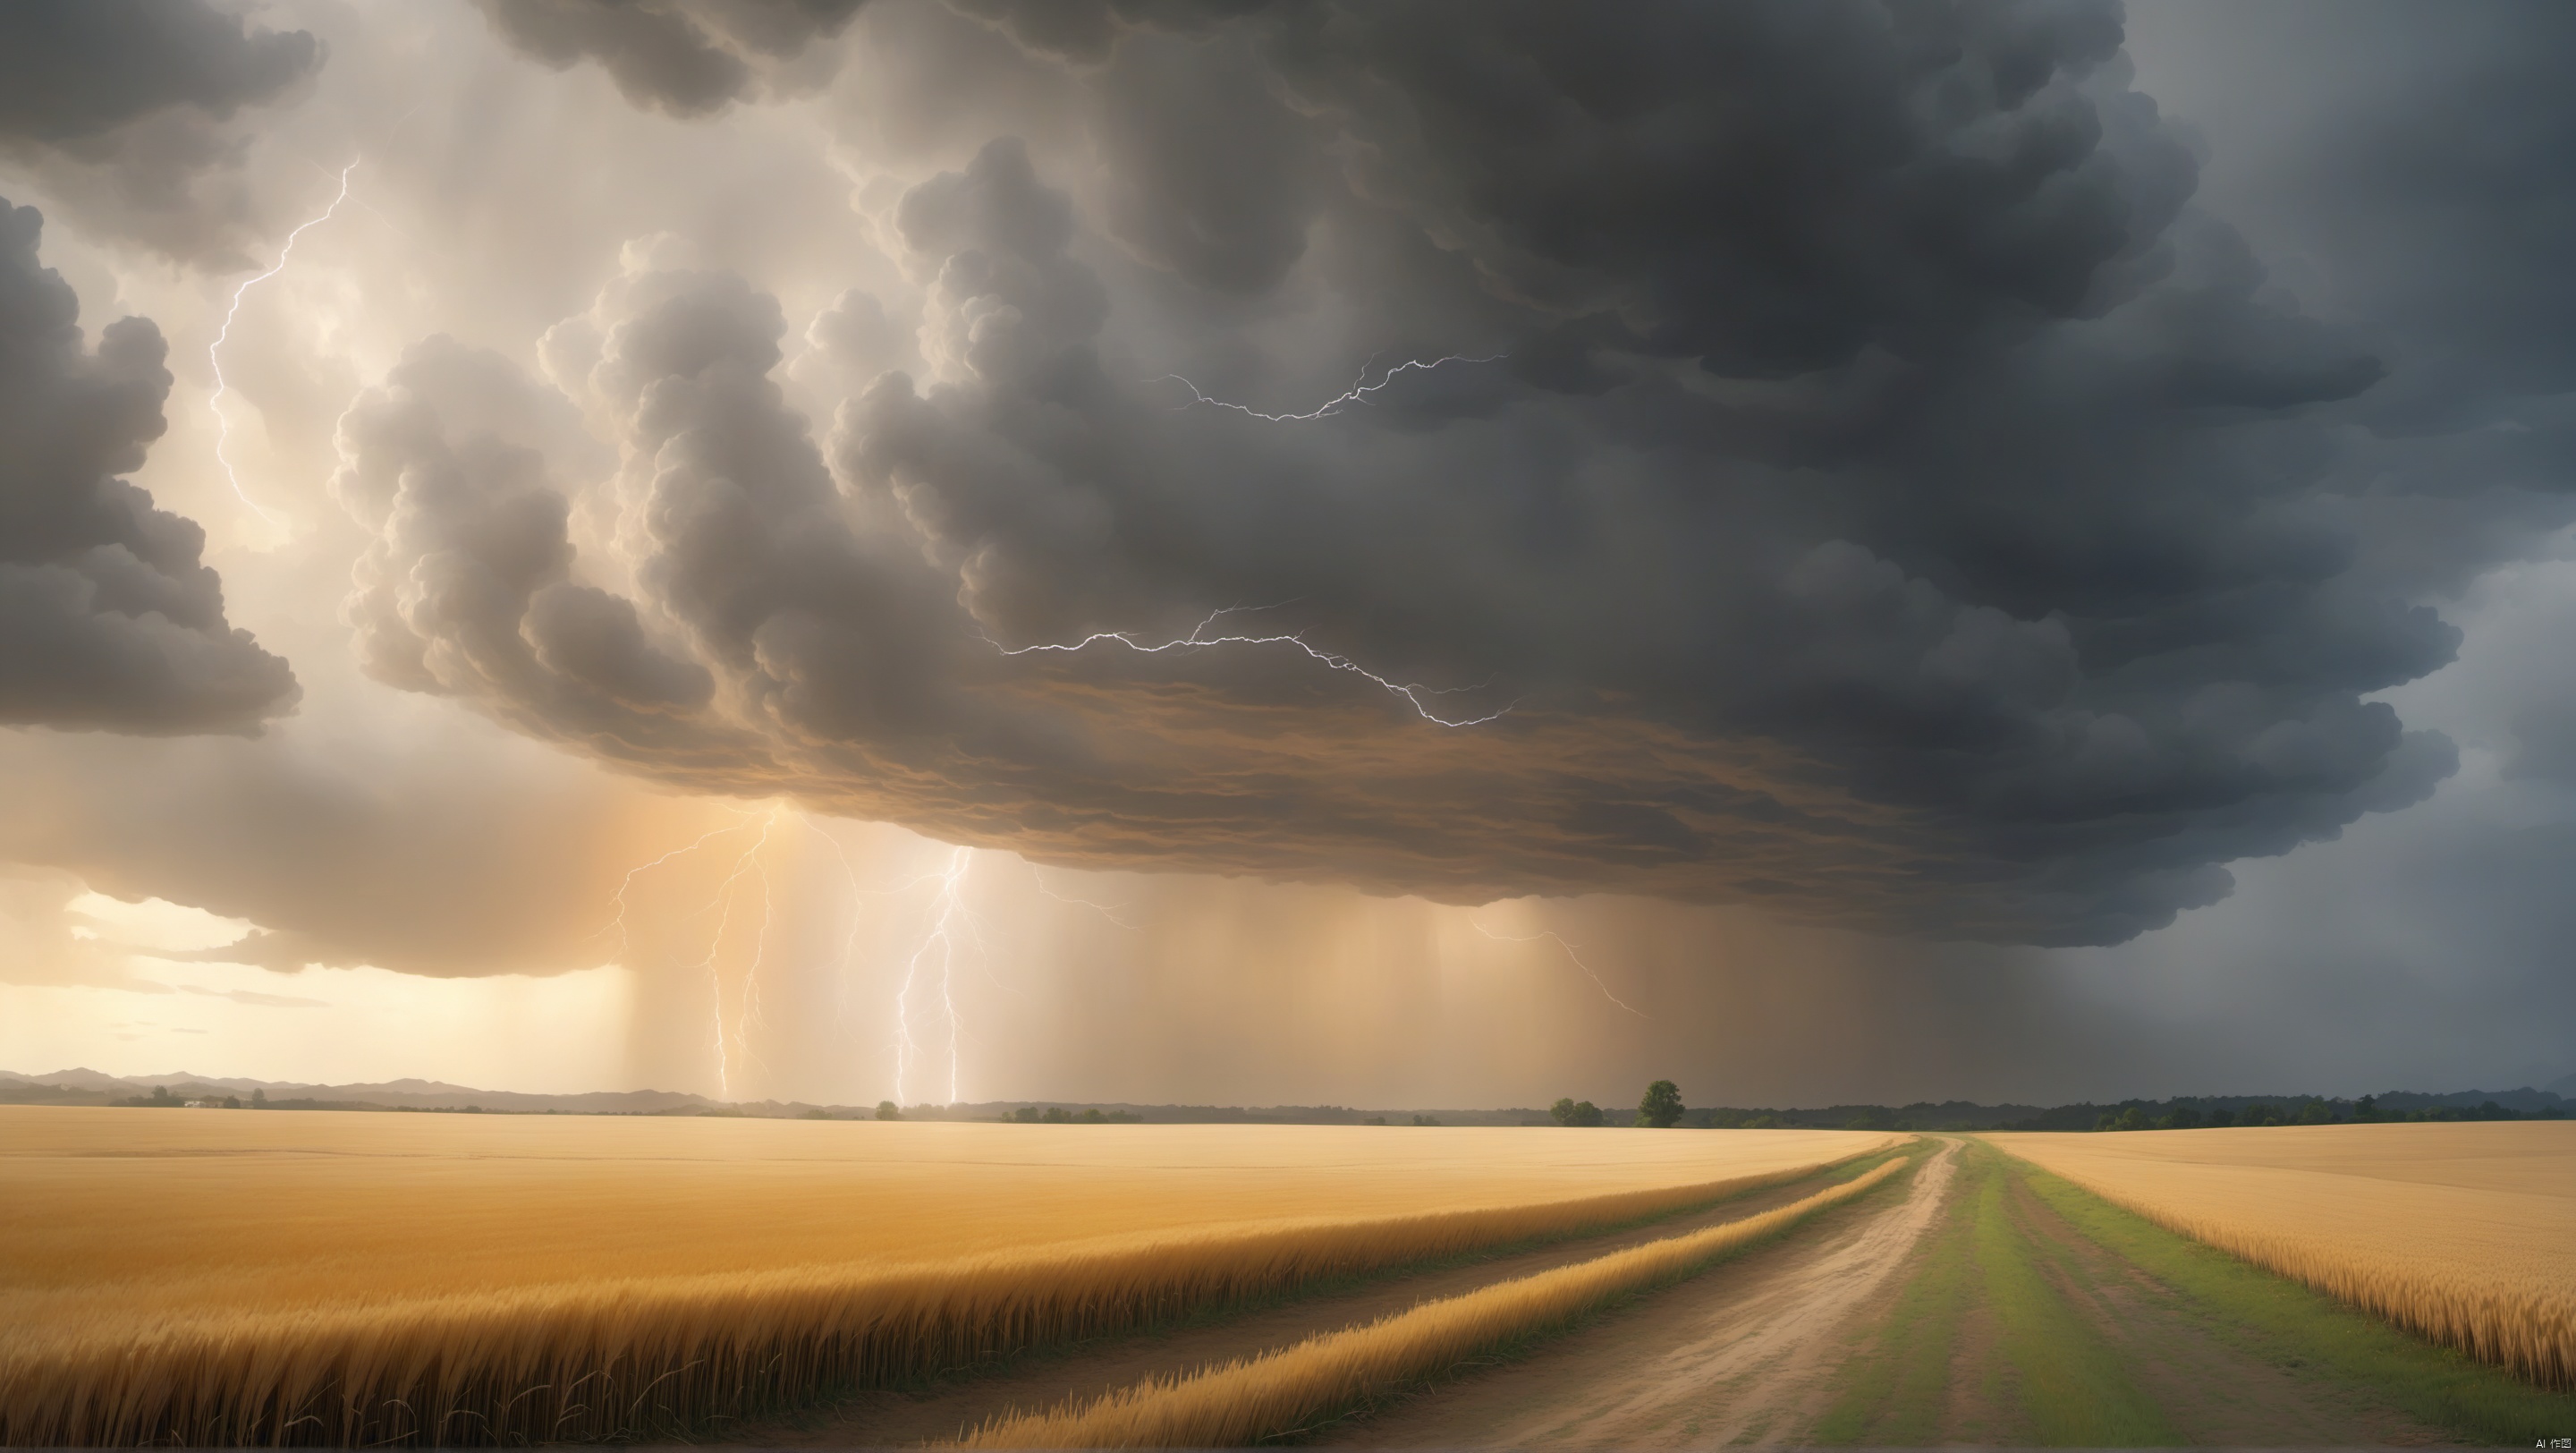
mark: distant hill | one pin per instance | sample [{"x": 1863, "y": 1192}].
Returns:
[{"x": 91, "y": 1087}]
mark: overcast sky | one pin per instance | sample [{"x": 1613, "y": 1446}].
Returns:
[{"x": 1827, "y": 551}]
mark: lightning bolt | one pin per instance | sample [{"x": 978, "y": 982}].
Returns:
[
  {"x": 943, "y": 931},
  {"x": 952, "y": 920},
  {"x": 724, "y": 896},
  {"x": 1569, "y": 953},
  {"x": 1357, "y": 393},
  {"x": 214, "y": 350},
  {"x": 619, "y": 922},
  {"x": 722, "y": 899},
  {"x": 1103, "y": 909},
  {"x": 1413, "y": 693}
]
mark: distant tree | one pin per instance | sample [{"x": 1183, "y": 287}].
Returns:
[
  {"x": 1093, "y": 1116},
  {"x": 2184, "y": 1117},
  {"x": 1026, "y": 1115},
  {"x": 1425, "y": 1120},
  {"x": 1563, "y": 1111},
  {"x": 2316, "y": 1112},
  {"x": 1662, "y": 1105},
  {"x": 161, "y": 1095},
  {"x": 1585, "y": 1114},
  {"x": 2220, "y": 1118},
  {"x": 1374, "y": 1120},
  {"x": 232, "y": 1102},
  {"x": 1761, "y": 1122},
  {"x": 2366, "y": 1108},
  {"x": 889, "y": 1110},
  {"x": 259, "y": 1099},
  {"x": 1058, "y": 1115},
  {"x": 817, "y": 1113}
]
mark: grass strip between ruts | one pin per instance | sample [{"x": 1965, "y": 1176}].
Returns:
[
  {"x": 2046, "y": 1371},
  {"x": 2291, "y": 1324},
  {"x": 2069, "y": 1380},
  {"x": 1893, "y": 1393}
]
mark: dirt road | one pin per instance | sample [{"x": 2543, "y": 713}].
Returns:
[
  {"x": 1038, "y": 1380},
  {"x": 1966, "y": 1306},
  {"x": 1739, "y": 1355},
  {"x": 1966, "y": 1313}
]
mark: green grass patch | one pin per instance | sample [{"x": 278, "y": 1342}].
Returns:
[
  {"x": 2295, "y": 1327},
  {"x": 1894, "y": 1394},
  {"x": 2050, "y": 1366},
  {"x": 2069, "y": 1380}
]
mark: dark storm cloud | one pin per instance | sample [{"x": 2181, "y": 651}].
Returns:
[
  {"x": 1091, "y": 30},
  {"x": 120, "y": 106},
  {"x": 74, "y": 68},
  {"x": 108, "y": 619},
  {"x": 687, "y": 57},
  {"x": 2410, "y": 172},
  {"x": 1887, "y": 499}
]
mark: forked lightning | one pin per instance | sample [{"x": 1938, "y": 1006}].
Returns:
[
  {"x": 1569, "y": 953},
  {"x": 214, "y": 350},
  {"x": 1357, "y": 393},
  {"x": 1198, "y": 636}
]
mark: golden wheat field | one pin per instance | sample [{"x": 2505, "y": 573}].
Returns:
[
  {"x": 1244, "y": 1401},
  {"x": 242, "y": 1276},
  {"x": 2463, "y": 1233}
]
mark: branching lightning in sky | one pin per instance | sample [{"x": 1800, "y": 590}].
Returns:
[
  {"x": 1198, "y": 636},
  {"x": 952, "y": 918},
  {"x": 1569, "y": 953},
  {"x": 1103, "y": 909},
  {"x": 749, "y": 862},
  {"x": 721, "y": 899},
  {"x": 619, "y": 922},
  {"x": 214, "y": 350},
  {"x": 1357, "y": 393}
]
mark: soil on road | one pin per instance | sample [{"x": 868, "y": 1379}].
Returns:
[
  {"x": 1739, "y": 1355},
  {"x": 969, "y": 1397},
  {"x": 1964, "y": 1312},
  {"x": 1954, "y": 1306}
]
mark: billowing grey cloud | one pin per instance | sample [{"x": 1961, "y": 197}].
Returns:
[
  {"x": 120, "y": 105},
  {"x": 108, "y": 618},
  {"x": 1092, "y": 30},
  {"x": 1883, "y": 497},
  {"x": 687, "y": 57},
  {"x": 2407, "y": 179},
  {"x": 74, "y": 68}
]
